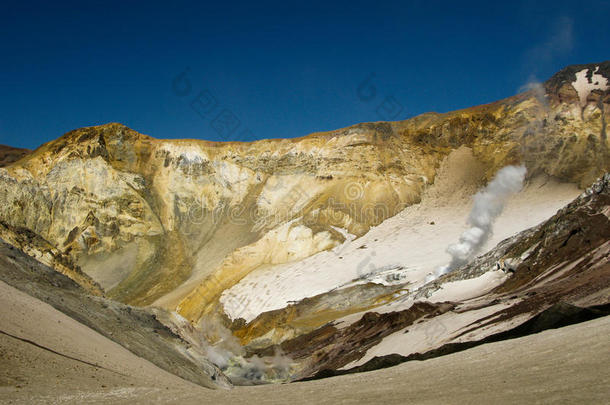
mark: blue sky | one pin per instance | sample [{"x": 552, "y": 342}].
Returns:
[{"x": 274, "y": 69}]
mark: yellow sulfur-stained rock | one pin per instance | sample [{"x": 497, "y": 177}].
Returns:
[{"x": 176, "y": 222}]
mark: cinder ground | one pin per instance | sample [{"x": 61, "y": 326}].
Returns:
[{"x": 568, "y": 365}]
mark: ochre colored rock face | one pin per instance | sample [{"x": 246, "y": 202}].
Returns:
[{"x": 176, "y": 222}]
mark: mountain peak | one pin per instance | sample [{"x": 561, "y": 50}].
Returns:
[{"x": 580, "y": 83}]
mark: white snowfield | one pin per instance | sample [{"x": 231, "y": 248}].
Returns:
[
  {"x": 404, "y": 248},
  {"x": 425, "y": 336},
  {"x": 584, "y": 87},
  {"x": 462, "y": 290}
]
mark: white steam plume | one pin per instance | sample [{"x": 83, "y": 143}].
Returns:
[
  {"x": 488, "y": 204},
  {"x": 227, "y": 353}
]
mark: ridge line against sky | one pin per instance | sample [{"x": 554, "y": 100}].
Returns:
[{"x": 273, "y": 69}]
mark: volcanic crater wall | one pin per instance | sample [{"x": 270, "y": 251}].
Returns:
[{"x": 175, "y": 222}]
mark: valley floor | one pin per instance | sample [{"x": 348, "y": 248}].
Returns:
[{"x": 567, "y": 365}]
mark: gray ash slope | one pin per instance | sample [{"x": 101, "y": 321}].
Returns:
[{"x": 136, "y": 329}]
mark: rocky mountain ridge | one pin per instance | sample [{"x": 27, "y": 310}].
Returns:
[
  {"x": 8, "y": 154},
  {"x": 176, "y": 223}
]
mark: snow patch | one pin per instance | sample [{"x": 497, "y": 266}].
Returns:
[
  {"x": 426, "y": 335},
  {"x": 584, "y": 86},
  {"x": 462, "y": 290},
  {"x": 188, "y": 153}
]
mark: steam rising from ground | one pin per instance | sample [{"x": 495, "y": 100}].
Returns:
[
  {"x": 488, "y": 205},
  {"x": 224, "y": 349}
]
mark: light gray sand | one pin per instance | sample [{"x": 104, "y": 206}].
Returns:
[{"x": 568, "y": 365}]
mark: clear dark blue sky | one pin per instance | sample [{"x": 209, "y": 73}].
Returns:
[{"x": 281, "y": 69}]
